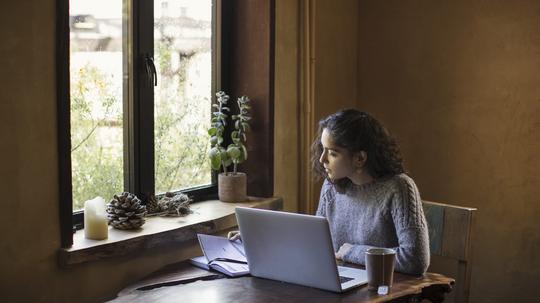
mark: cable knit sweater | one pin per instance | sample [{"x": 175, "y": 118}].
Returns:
[{"x": 383, "y": 213}]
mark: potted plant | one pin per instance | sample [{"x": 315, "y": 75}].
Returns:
[{"x": 232, "y": 185}]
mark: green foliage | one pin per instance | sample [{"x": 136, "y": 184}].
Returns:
[
  {"x": 236, "y": 152},
  {"x": 181, "y": 124},
  {"x": 180, "y": 145},
  {"x": 217, "y": 154},
  {"x": 181, "y": 120},
  {"x": 96, "y": 165}
]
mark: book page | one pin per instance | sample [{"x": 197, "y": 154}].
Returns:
[
  {"x": 230, "y": 268},
  {"x": 220, "y": 248}
]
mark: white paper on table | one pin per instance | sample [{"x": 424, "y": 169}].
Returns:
[
  {"x": 220, "y": 248},
  {"x": 231, "y": 267}
]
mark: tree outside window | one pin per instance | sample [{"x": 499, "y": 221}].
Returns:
[{"x": 183, "y": 57}]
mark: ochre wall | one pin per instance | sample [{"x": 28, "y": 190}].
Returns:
[
  {"x": 335, "y": 66},
  {"x": 29, "y": 225},
  {"x": 333, "y": 54},
  {"x": 287, "y": 103},
  {"x": 458, "y": 83}
]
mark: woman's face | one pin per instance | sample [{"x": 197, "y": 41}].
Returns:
[{"x": 337, "y": 161}]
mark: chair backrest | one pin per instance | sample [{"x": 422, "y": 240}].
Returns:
[{"x": 450, "y": 236}]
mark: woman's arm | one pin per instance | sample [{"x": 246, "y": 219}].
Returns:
[
  {"x": 412, "y": 254},
  {"x": 411, "y": 229}
]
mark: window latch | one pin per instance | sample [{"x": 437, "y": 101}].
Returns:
[{"x": 151, "y": 69}]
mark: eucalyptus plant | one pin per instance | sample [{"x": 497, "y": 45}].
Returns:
[{"x": 236, "y": 152}]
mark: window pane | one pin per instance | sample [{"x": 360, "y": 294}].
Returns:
[
  {"x": 96, "y": 99},
  {"x": 182, "y": 51}
]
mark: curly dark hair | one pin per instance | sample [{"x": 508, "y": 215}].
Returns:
[{"x": 358, "y": 131}]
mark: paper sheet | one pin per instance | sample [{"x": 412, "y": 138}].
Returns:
[{"x": 220, "y": 248}]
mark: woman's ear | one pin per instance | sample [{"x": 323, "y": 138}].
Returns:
[{"x": 360, "y": 159}]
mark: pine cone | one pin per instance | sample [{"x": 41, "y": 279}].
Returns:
[
  {"x": 126, "y": 211},
  {"x": 175, "y": 204},
  {"x": 152, "y": 205}
]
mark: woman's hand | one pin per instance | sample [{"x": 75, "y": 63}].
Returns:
[
  {"x": 343, "y": 250},
  {"x": 234, "y": 235}
]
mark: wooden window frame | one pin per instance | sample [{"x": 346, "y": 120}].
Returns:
[{"x": 255, "y": 79}]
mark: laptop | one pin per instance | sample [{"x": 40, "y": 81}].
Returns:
[{"x": 294, "y": 248}]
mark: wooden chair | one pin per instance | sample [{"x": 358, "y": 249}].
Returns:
[{"x": 450, "y": 236}]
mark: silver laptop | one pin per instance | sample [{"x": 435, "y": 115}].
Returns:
[{"x": 294, "y": 248}]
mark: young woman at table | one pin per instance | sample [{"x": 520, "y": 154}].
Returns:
[{"x": 367, "y": 198}]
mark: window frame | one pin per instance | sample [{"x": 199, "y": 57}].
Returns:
[
  {"x": 138, "y": 116},
  {"x": 247, "y": 70}
]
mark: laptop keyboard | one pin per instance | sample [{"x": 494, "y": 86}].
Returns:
[{"x": 344, "y": 279}]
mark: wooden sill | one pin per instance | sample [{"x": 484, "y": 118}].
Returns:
[{"x": 208, "y": 217}]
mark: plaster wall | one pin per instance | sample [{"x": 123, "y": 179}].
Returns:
[{"x": 457, "y": 83}]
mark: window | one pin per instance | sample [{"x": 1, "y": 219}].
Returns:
[
  {"x": 141, "y": 80},
  {"x": 96, "y": 58},
  {"x": 134, "y": 95}
]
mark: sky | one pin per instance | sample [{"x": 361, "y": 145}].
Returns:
[{"x": 198, "y": 9}]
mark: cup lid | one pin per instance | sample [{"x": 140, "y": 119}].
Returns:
[{"x": 380, "y": 251}]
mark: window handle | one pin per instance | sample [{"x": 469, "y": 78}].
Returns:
[{"x": 151, "y": 69}]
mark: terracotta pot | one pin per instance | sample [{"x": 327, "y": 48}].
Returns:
[{"x": 232, "y": 188}]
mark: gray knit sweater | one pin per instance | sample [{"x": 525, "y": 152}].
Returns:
[{"x": 383, "y": 213}]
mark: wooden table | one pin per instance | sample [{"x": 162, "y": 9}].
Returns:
[{"x": 184, "y": 283}]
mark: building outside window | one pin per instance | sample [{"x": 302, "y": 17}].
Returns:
[{"x": 140, "y": 96}]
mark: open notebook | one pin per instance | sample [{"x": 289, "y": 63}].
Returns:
[{"x": 220, "y": 254}]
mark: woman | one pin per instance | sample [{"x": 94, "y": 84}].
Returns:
[{"x": 367, "y": 198}]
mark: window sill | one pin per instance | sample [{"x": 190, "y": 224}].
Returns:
[{"x": 208, "y": 217}]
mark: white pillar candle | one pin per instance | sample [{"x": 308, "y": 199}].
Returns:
[{"x": 95, "y": 219}]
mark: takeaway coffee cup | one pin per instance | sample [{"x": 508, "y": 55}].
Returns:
[{"x": 380, "y": 267}]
